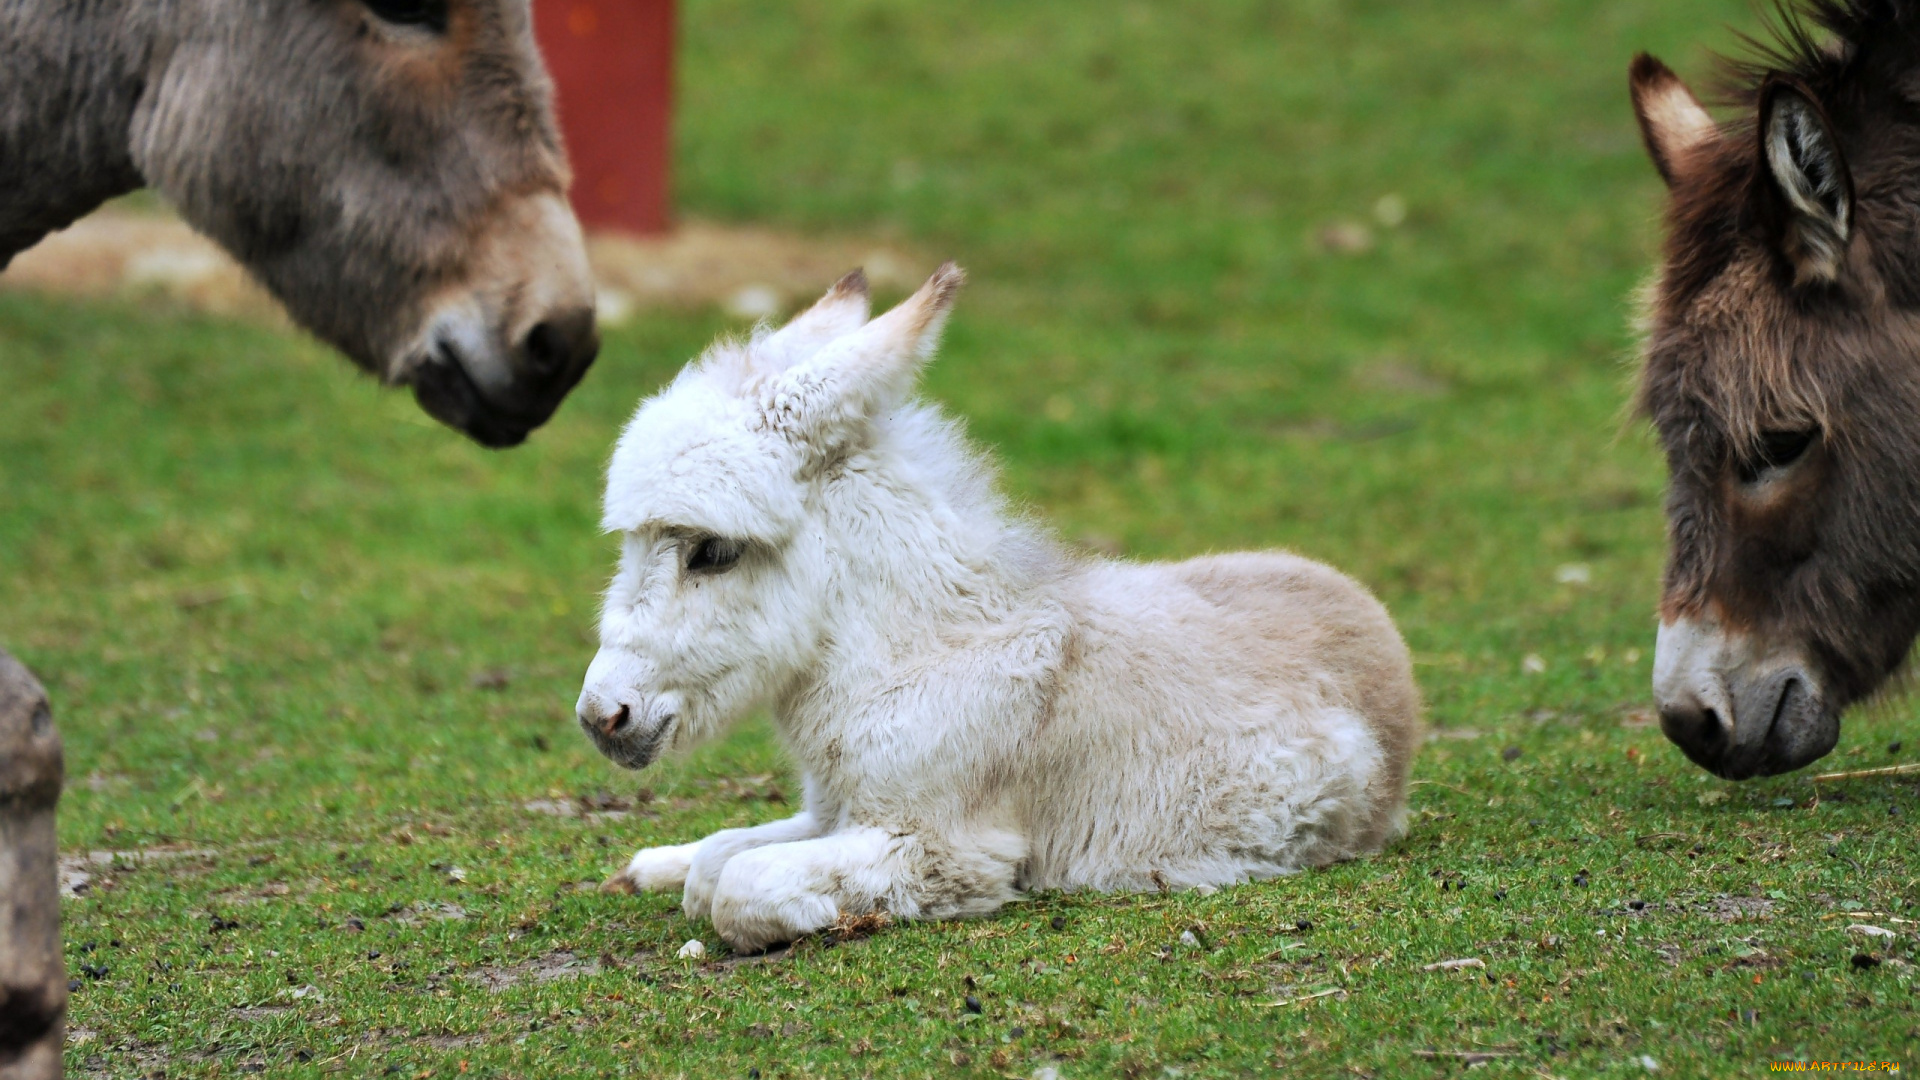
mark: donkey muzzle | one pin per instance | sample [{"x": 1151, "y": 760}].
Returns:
[
  {"x": 1734, "y": 710},
  {"x": 626, "y": 725},
  {"x": 498, "y": 404}
]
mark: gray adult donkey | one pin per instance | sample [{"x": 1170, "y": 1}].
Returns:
[{"x": 388, "y": 169}]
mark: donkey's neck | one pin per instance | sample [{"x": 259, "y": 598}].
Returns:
[
  {"x": 71, "y": 76},
  {"x": 925, "y": 561}
]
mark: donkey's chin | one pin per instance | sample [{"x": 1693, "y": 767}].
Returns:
[
  {"x": 446, "y": 390},
  {"x": 1804, "y": 730},
  {"x": 497, "y": 395},
  {"x": 634, "y": 750},
  {"x": 448, "y": 394}
]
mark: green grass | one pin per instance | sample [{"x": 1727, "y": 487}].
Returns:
[{"x": 260, "y": 591}]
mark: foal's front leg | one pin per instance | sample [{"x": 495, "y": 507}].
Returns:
[
  {"x": 697, "y": 866},
  {"x": 786, "y": 891},
  {"x": 714, "y": 853}
]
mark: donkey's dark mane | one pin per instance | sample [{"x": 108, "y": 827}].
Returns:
[
  {"x": 1860, "y": 60},
  {"x": 1812, "y": 43}
]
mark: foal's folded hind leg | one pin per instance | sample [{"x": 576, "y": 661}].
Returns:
[{"x": 786, "y": 891}]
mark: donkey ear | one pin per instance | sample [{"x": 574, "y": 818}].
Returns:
[
  {"x": 1811, "y": 176},
  {"x": 823, "y": 398},
  {"x": 1672, "y": 121},
  {"x": 888, "y": 351},
  {"x": 839, "y": 313}
]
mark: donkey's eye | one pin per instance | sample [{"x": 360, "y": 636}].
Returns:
[
  {"x": 713, "y": 555},
  {"x": 1777, "y": 450},
  {"x": 431, "y": 14}
]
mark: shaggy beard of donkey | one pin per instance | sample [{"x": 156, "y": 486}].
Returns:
[{"x": 975, "y": 713}]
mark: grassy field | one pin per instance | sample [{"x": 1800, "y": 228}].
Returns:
[{"x": 1345, "y": 276}]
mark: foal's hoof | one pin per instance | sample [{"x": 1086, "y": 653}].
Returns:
[{"x": 619, "y": 883}]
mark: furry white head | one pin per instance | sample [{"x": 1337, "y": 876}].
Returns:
[{"x": 721, "y": 600}]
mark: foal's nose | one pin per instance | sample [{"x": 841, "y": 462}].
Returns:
[
  {"x": 560, "y": 347},
  {"x": 607, "y": 723}
]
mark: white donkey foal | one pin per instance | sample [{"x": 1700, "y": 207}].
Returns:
[{"x": 975, "y": 713}]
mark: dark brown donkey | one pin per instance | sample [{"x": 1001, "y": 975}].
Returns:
[
  {"x": 388, "y": 168},
  {"x": 1783, "y": 377}
]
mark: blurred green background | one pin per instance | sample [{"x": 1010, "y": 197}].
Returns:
[{"x": 1351, "y": 277}]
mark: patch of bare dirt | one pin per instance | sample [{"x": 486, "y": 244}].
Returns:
[
  {"x": 600, "y": 806},
  {"x": 240, "y": 895},
  {"x": 734, "y": 961},
  {"x": 84, "y": 872},
  {"x": 120, "y": 252},
  {"x": 1737, "y": 908},
  {"x": 751, "y": 271},
  {"x": 452, "y": 1042},
  {"x": 418, "y": 913},
  {"x": 145, "y": 1059},
  {"x": 553, "y": 966}
]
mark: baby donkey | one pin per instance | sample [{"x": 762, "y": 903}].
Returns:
[{"x": 974, "y": 711}]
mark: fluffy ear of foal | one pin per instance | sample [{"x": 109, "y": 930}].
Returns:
[
  {"x": 1672, "y": 121},
  {"x": 839, "y": 313},
  {"x": 1811, "y": 176},
  {"x": 822, "y": 400}
]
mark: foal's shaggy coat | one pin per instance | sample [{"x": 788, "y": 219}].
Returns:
[{"x": 975, "y": 712}]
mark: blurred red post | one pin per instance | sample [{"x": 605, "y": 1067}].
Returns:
[{"x": 612, "y": 67}]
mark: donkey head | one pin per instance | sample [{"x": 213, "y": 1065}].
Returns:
[
  {"x": 390, "y": 170},
  {"x": 1781, "y": 338},
  {"x": 719, "y": 489}
]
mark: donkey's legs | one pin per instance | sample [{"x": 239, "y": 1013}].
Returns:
[
  {"x": 786, "y": 891},
  {"x": 654, "y": 869},
  {"x": 719, "y": 849},
  {"x": 33, "y": 979},
  {"x": 697, "y": 865}
]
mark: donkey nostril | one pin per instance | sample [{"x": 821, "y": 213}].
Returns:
[
  {"x": 1694, "y": 728},
  {"x": 561, "y": 344},
  {"x": 1791, "y": 695},
  {"x": 618, "y": 720},
  {"x": 1712, "y": 731},
  {"x": 545, "y": 351}
]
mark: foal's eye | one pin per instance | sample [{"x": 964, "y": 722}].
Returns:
[
  {"x": 1777, "y": 450},
  {"x": 431, "y": 14},
  {"x": 713, "y": 555}
]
